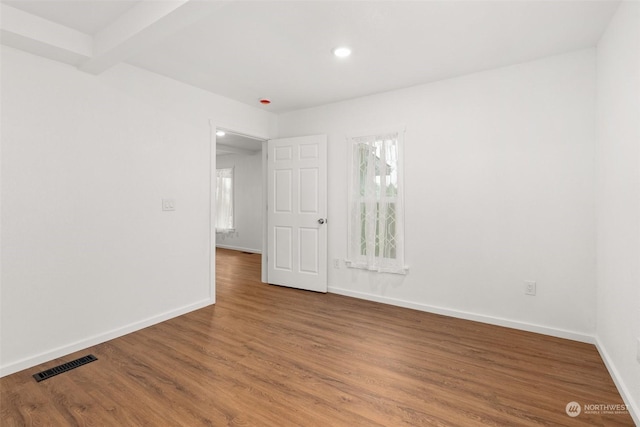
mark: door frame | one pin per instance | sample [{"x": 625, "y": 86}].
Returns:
[
  {"x": 212, "y": 200},
  {"x": 264, "y": 277}
]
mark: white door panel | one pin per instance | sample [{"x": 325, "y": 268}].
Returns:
[{"x": 297, "y": 200}]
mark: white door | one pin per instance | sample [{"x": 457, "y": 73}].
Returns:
[{"x": 297, "y": 212}]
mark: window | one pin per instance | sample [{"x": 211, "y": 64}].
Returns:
[
  {"x": 376, "y": 239},
  {"x": 224, "y": 200}
]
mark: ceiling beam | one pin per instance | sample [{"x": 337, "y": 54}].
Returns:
[
  {"x": 39, "y": 36},
  {"x": 145, "y": 24},
  {"x": 230, "y": 149}
]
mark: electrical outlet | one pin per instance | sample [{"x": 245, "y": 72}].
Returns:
[
  {"x": 530, "y": 288},
  {"x": 336, "y": 263},
  {"x": 168, "y": 205}
]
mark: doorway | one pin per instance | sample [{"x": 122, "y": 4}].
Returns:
[
  {"x": 239, "y": 192},
  {"x": 290, "y": 231}
]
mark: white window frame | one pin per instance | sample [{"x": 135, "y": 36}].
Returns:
[
  {"x": 219, "y": 227},
  {"x": 356, "y": 258}
]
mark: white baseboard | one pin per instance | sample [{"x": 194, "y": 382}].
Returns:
[
  {"x": 545, "y": 330},
  {"x": 634, "y": 410},
  {"x": 98, "y": 339},
  {"x": 241, "y": 249}
]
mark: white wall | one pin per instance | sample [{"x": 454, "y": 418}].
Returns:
[
  {"x": 87, "y": 253},
  {"x": 248, "y": 212},
  {"x": 499, "y": 173},
  {"x": 618, "y": 200}
]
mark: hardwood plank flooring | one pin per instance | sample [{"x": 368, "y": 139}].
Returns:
[{"x": 272, "y": 356}]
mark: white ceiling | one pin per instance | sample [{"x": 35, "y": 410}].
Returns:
[{"x": 281, "y": 50}]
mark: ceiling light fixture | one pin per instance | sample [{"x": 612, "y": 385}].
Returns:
[
  {"x": 342, "y": 52},
  {"x": 220, "y": 133}
]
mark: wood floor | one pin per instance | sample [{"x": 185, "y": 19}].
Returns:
[{"x": 271, "y": 356}]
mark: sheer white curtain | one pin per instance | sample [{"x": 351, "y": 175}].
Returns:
[
  {"x": 224, "y": 200},
  {"x": 376, "y": 229}
]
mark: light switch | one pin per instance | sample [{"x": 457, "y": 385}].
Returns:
[
  {"x": 168, "y": 205},
  {"x": 530, "y": 288}
]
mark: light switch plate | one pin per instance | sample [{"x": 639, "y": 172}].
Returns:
[
  {"x": 168, "y": 205},
  {"x": 530, "y": 288}
]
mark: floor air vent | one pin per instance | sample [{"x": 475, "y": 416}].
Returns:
[{"x": 40, "y": 376}]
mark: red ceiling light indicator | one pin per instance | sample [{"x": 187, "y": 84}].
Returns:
[{"x": 265, "y": 101}]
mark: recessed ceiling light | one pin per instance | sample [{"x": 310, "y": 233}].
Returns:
[
  {"x": 220, "y": 133},
  {"x": 342, "y": 52}
]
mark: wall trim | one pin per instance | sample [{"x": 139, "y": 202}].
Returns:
[
  {"x": 238, "y": 248},
  {"x": 212, "y": 211},
  {"x": 634, "y": 410},
  {"x": 498, "y": 321},
  {"x": 55, "y": 353}
]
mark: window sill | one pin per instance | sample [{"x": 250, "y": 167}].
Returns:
[
  {"x": 225, "y": 231},
  {"x": 377, "y": 269}
]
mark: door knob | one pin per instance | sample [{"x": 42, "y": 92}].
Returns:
[{"x": 321, "y": 221}]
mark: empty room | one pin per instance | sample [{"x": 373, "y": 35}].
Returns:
[{"x": 320, "y": 213}]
